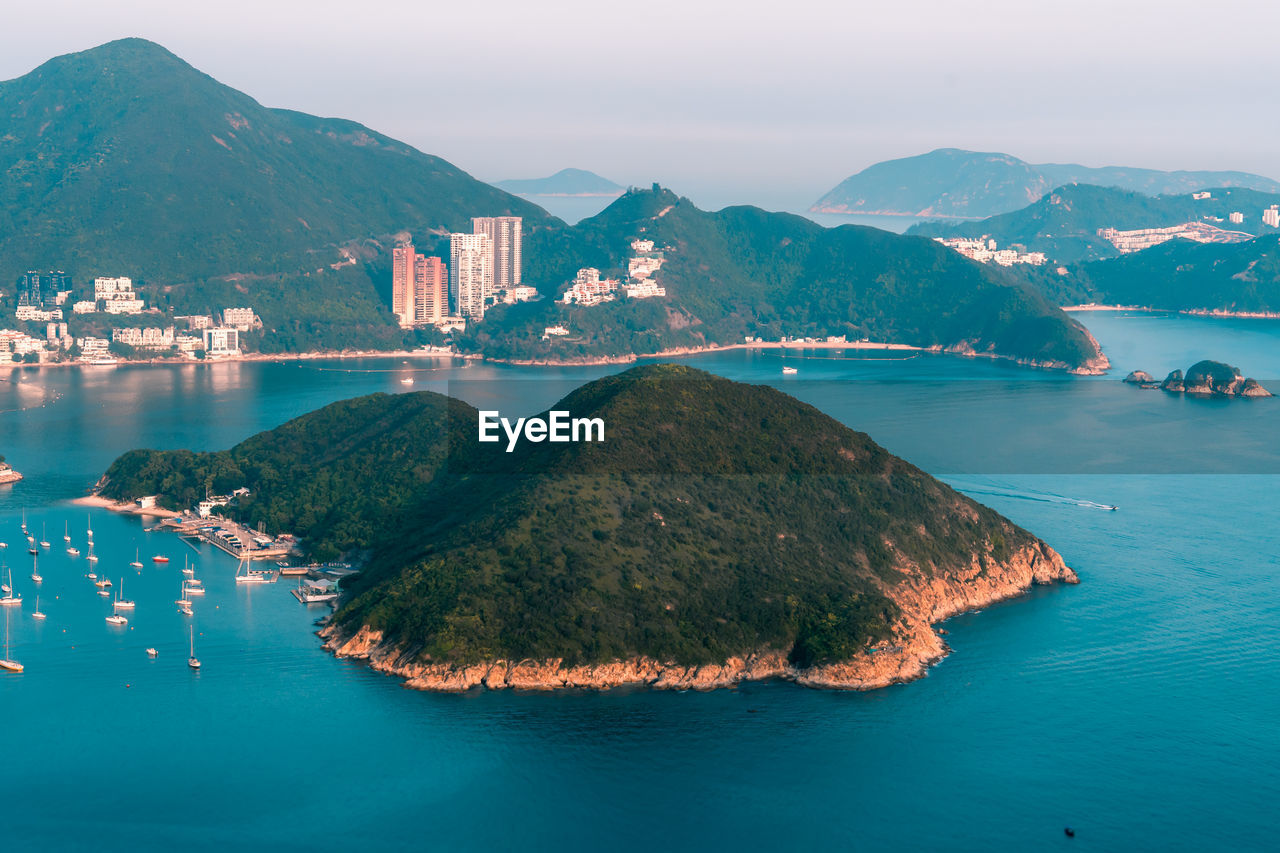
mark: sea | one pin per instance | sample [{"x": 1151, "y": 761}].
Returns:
[{"x": 1139, "y": 708}]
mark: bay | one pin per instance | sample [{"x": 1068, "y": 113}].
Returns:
[{"x": 1137, "y": 707}]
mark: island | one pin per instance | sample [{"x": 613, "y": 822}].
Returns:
[
  {"x": 721, "y": 532},
  {"x": 1204, "y": 378}
]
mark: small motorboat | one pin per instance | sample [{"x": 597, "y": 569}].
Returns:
[
  {"x": 159, "y": 558},
  {"x": 117, "y": 619},
  {"x": 151, "y": 653},
  {"x": 74, "y": 552},
  {"x": 408, "y": 380},
  {"x": 788, "y": 371}
]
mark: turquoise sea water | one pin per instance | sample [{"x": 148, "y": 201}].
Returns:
[{"x": 1138, "y": 707}]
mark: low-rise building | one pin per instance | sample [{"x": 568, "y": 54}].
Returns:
[
  {"x": 523, "y": 293},
  {"x": 123, "y": 306},
  {"x": 983, "y": 250},
  {"x": 84, "y": 307},
  {"x": 644, "y": 290},
  {"x": 222, "y": 341},
  {"x": 196, "y": 322},
  {"x": 151, "y": 338},
  {"x": 240, "y": 319},
  {"x": 589, "y": 289},
  {"x": 554, "y": 331},
  {"x": 33, "y": 314}
]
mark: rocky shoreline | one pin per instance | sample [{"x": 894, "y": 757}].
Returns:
[
  {"x": 924, "y": 602},
  {"x": 1202, "y": 379}
]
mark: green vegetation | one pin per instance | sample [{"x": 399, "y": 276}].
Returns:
[
  {"x": 1183, "y": 276},
  {"x": 1064, "y": 223},
  {"x": 951, "y": 182},
  {"x": 742, "y": 271},
  {"x": 125, "y": 160},
  {"x": 716, "y": 518}
]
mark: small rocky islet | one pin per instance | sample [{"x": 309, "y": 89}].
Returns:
[{"x": 1204, "y": 378}]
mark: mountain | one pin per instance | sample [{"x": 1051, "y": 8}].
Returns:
[
  {"x": 566, "y": 182},
  {"x": 743, "y": 271},
  {"x": 1064, "y": 223},
  {"x": 125, "y": 160},
  {"x": 719, "y": 532},
  {"x": 953, "y": 183},
  {"x": 1239, "y": 278}
]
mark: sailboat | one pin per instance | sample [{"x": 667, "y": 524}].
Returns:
[
  {"x": 66, "y": 535},
  {"x": 44, "y": 537},
  {"x": 92, "y": 558},
  {"x": 73, "y": 551},
  {"x": 89, "y": 527},
  {"x": 137, "y": 561},
  {"x": 122, "y": 603},
  {"x": 103, "y": 583},
  {"x": 187, "y": 568},
  {"x": 193, "y": 661},
  {"x": 7, "y": 662},
  {"x": 37, "y": 614},
  {"x": 117, "y": 619},
  {"x": 10, "y": 599},
  {"x": 182, "y": 600},
  {"x": 24, "y": 519},
  {"x": 250, "y": 575},
  {"x": 35, "y": 570}
]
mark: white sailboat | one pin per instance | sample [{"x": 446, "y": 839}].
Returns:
[
  {"x": 35, "y": 571},
  {"x": 6, "y": 662},
  {"x": 37, "y": 614},
  {"x": 92, "y": 558},
  {"x": 10, "y": 599},
  {"x": 122, "y": 603},
  {"x": 193, "y": 661},
  {"x": 66, "y": 534},
  {"x": 187, "y": 569},
  {"x": 249, "y": 576},
  {"x": 182, "y": 601},
  {"x": 44, "y": 537},
  {"x": 89, "y": 528},
  {"x": 137, "y": 558}
]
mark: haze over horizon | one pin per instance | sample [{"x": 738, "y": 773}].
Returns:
[{"x": 730, "y": 102}]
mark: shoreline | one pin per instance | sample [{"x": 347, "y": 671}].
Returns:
[
  {"x": 315, "y": 355},
  {"x": 926, "y": 603},
  {"x": 1186, "y": 312},
  {"x": 124, "y": 508}
]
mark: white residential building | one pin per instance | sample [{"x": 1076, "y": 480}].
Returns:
[
  {"x": 152, "y": 338},
  {"x": 123, "y": 306},
  {"x": 470, "y": 274},
  {"x": 1145, "y": 238},
  {"x": 1202, "y": 195},
  {"x": 196, "y": 322},
  {"x": 32, "y": 314},
  {"x": 241, "y": 319},
  {"x": 642, "y": 246},
  {"x": 1271, "y": 216},
  {"x": 983, "y": 250},
  {"x": 93, "y": 347},
  {"x": 506, "y": 249},
  {"x": 589, "y": 289},
  {"x": 644, "y": 290},
  {"x": 1236, "y": 217},
  {"x": 188, "y": 344},
  {"x": 554, "y": 331},
  {"x": 105, "y": 288},
  {"x": 84, "y": 307},
  {"x": 222, "y": 341},
  {"x": 523, "y": 293}
]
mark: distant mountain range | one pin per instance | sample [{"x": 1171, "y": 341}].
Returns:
[
  {"x": 954, "y": 183},
  {"x": 1064, "y": 223},
  {"x": 566, "y": 182}
]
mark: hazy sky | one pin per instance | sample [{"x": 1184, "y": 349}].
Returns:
[{"x": 771, "y": 103}]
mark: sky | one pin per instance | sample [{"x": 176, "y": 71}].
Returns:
[{"x": 731, "y": 102}]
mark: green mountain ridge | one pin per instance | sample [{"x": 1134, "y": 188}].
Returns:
[
  {"x": 715, "y": 519},
  {"x": 952, "y": 182},
  {"x": 1064, "y": 223},
  {"x": 743, "y": 271}
]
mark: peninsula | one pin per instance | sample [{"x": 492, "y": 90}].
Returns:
[{"x": 722, "y": 532}]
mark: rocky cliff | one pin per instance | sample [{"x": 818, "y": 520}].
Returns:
[
  {"x": 916, "y": 645},
  {"x": 1203, "y": 379}
]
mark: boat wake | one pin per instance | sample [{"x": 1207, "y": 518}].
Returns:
[{"x": 1031, "y": 495}]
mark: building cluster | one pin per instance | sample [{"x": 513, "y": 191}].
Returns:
[
  {"x": 588, "y": 288},
  {"x": 1271, "y": 216},
  {"x": 1145, "y": 238},
  {"x": 483, "y": 269},
  {"x": 984, "y": 250}
]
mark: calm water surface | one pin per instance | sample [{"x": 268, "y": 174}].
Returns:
[{"x": 1139, "y": 707}]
